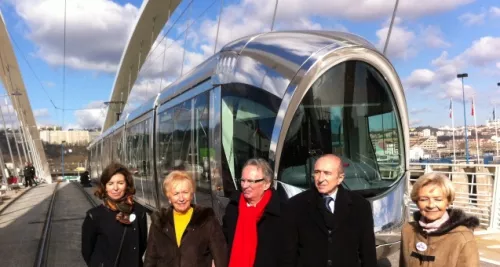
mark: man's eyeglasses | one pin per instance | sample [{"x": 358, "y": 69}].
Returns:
[{"x": 250, "y": 181}]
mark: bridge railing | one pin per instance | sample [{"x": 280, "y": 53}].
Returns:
[{"x": 477, "y": 189}]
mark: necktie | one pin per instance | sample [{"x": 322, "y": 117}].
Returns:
[{"x": 328, "y": 199}]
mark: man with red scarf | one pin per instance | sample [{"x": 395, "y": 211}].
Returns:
[
  {"x": 252, "y": 223},
  {"x": 329, "y": 225}
]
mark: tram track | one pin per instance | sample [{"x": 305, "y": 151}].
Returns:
[{"x": 46, "y": 243}]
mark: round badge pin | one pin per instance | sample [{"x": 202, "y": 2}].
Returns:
[
  {"x": 132, "y": 217},
  {"x": 421, "y": 246}
]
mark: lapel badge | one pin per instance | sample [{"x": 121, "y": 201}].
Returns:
[
  {"x": 421, "y": 246},
  {"x": 132, "y": 217}
]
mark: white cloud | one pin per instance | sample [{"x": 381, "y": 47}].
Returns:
[
  {"x": 401, "y": 43},
  {"x": 415, "y": 111},
  {"x": 415, "y": 122},
  {"x": 405, "y": 43},
  {"x": 470, "y": 19},
  {"x": 96, "y": 31},
  {"x": 41, "y": 113},
  {"x": 361, "y": 10},
  {"x": 433, "y": 37},
  {"x": 49, "y": 84},
  {"x": 420, "y": 78},
  {"x": 453, "y": 89},
  {"x": 92, "y": 117},
  {"x": 498, "y": 65},
  {"x": 495, "y": 11},
  {"x": 483, "y": 51}
]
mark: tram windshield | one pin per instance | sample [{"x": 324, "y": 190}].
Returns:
[{"x": 348, "y": 112}]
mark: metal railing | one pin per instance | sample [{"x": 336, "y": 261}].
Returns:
[{"x": 476, "y": 185}]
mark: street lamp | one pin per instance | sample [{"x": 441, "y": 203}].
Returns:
[{"x": 462, "y": 76}]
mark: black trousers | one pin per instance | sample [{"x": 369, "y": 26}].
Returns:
[{"x": 29, "y": 181}]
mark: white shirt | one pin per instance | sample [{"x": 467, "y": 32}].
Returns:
[{"x": 333, "y": 196}]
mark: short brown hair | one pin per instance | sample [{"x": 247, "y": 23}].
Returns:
[
  {"x": 434, "y": 178},
  {"x": 106, "y": 175},
  {"x": 177, "y": 176}
]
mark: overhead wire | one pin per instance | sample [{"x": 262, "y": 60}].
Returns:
[{"x": 39, "y": 81}]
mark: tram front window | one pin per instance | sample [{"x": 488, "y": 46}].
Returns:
[{"x": 348, "y": 112}]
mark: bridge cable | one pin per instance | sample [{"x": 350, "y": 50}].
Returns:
[{"x": 390, "y": 27}]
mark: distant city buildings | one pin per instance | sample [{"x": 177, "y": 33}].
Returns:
[
  {"x": 71, "y": 137},
  {"x": 427, "y": 142}
]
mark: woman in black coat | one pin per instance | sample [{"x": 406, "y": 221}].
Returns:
[{"x": 115, "y": 233}]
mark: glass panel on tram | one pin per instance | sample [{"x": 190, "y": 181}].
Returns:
[
  {"x": 248, "y": 115},
  {"x": 146, "y": 173},
  {"x": 183, "y": 145},
  {"x": 165, "y": 144},
  {"x": 199, "y": 164},
  {"x": 348, "y": 112}
]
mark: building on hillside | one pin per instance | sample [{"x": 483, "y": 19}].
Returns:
[
  {"x": 428, "y": 143},
  {"x": 492, "y": 123},
  {"x": 426, "y": 132},
  {"x": 75, "y": 137}
]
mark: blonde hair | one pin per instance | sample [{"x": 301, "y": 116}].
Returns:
[
  {"x": 176, "y": 177},
  {"x": 434, "y": 178}
]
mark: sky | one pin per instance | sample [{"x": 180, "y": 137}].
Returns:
[{"x": 430, "y": 43}]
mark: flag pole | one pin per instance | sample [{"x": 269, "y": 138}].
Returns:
[
  {"x": 453, "y": 130},
  {"x": 475, "y": 129}
]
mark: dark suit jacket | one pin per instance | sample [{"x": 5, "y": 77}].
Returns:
[
  {"x": 269, "y": 229},
  {"x": 317, "y": 238},
  {"x": 102, "y": 233}
]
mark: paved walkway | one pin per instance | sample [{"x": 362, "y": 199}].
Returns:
[{"x": 489, "y": 247}]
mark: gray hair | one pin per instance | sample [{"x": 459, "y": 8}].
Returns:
[{"x": 263, "y": 166}]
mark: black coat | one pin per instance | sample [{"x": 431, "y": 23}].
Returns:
[
  {"x": 102, "y": 233},
  {"x": 201, "y": 242},
  {"x": 269, "y": 229},
  {"x": 315, "y": 237}
]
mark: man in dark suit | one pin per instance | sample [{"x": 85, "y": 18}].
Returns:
[{"x": 329, "y": 225}]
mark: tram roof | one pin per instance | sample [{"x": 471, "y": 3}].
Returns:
[{"x": 277, "y": 54}]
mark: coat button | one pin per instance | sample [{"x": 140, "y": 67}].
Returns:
[
  {"x": 329, "y": 262},
  {"x": 330, "y": 240},
  {"x": 134, "y": 229},
  {"x": 134, "y": 247},
  {"x": 329, "y": 232}
]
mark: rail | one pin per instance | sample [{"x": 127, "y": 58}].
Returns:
[
  {"x": 477, "y": 189},
  {"x": 43, "y": 245},
  {"x": 89, "y": 198}
]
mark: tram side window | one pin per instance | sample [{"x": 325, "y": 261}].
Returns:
[
  {"x": 348, "y": 111},
  {"x": 248, "y": 115},
  {"x": 183, "y": 144}
]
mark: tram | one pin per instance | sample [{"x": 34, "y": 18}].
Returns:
[{"x": 288, "y": 97}]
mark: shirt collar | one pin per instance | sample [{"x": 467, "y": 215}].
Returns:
[{"x": 333, "y": 195}]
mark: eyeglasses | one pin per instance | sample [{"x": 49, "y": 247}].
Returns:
[{"x": 250, "y": 181}]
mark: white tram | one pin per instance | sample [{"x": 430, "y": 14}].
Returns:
[{"x": 288, "y": 97}]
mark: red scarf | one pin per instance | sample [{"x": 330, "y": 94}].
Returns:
[{"x": 245, "y": 238}]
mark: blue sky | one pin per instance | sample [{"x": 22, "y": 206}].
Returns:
[{"x": 430, "y": 43}]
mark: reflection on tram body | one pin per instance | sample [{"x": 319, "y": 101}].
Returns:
[{"x": 288, "y": 97}]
